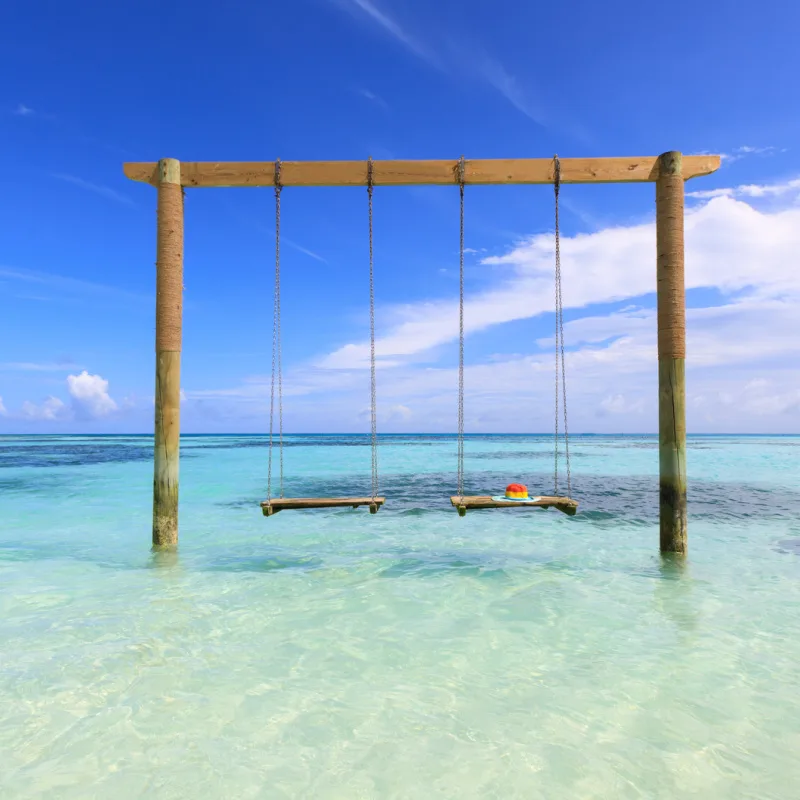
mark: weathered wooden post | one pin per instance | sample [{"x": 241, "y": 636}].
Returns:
[
  {"x": 169, "y": 319},
  {"x": 671, "y": 354}
]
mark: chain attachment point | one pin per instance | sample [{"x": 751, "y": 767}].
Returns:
[
  {"x": 277, "y": 365},
  {"x": 559, "y": 343},
  {"x": 373, "y": 382},
  {"x": 461, "y": 171}
]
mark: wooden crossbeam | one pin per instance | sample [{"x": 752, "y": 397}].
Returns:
[{"x": 414, "y": 173}]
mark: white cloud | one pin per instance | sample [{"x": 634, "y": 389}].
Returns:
[
  {"x": 23, "y": 111},
  {"x": 388, "y": 415},
  {"x": 398, "y": 412},
  {"x": 743, "y": 370},
  {"x": 50, "y": 409},
  {"x": 89, "y": 395},
  {"x": 89, "y": 400},
  {"x": 620, "y": 404},
  {"x": 731, "y": 246},
  {"x": 3, "y": 411},
  {"x": 750, "y": 190}
]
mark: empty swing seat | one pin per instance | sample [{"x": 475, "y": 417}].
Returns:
[
  {"x": 564, "y": 504},
  {"x": 276, "y": 504}
]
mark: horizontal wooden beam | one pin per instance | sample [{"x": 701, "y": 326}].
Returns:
[{"x": 414, "y": 173}]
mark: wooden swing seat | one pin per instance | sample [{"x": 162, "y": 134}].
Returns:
[
  {"x": 276, "y": 504},
  {"x": 564, "y": 504}
]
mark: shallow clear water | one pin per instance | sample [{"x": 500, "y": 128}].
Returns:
[{"x": 410, "y": 654}]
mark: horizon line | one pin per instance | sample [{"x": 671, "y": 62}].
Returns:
[{"x": 367, "y": 434}]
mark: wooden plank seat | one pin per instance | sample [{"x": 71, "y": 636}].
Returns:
[
  {"x": 276, "y": 504},
  {"x": 564, "y": 504}
]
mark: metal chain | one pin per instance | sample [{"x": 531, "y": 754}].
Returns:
[
  {"x": 276, "y": 342},
  {"x": 280, "y": 357},
  {"x": 461, "y": 333},
  {"x": 556, "y": 186},
  {"x": 559, "y": 348},
  {"x": 373, "y": 384}
]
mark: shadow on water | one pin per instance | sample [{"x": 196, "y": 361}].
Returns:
[
  {"x": 606, "y": 501},
  {"x": 261, "y": 441},
  {"x": 81, "y": 453},
  {"x": 44, "y": 484},
  {"x": 163, "y": 558},
  {"x": 437, "y": 565},
  {"x": 789, "y": 546},
  {"x": 672, "y": 594},
  {"x": 673, "y": 566},
  {"x": 524, "y": 455},
  {"x": 263, "y": 563}
]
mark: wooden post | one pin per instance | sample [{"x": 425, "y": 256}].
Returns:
[
  {"x": 169, "y": 318},
  {"x": 671, "y": 354}
]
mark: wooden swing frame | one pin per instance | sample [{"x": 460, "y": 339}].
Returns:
[{"x": 668, "y": 171}]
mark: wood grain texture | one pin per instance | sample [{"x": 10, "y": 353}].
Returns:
[
  {"x": 415, "y": 173},
  {"x": 169, "y": 321},
  {"x": 167, "y": 449},
  {"x": 671, "y": 302},
  {"x": 673, "y": 517},
  {"x": 169, "y": 257},
  {"x": 565, "y": 504},
  {"x": 276, "y": 504},
  {"x": 670, "y": 281}
]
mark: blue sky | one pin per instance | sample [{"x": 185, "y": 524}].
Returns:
[{"x": 94, "y": 84}]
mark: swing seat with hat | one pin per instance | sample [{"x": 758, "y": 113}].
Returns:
[{"x": 516, "y": 495}]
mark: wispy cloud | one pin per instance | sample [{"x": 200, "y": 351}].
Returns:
[
  {"x": 97, "y": 188},
  {"x": 500, "y": 79},
  {"x": 63, "y": 284},
  {"x": 3, "y": 410},
  {"x": 70, "y": 129},
  {"x": 749, "y": 150},
  {"x": 23, "y": 110},
  {"x": 374, "y": 98},
  {"x": 29, "y": 366},
  {"x": 391, "y": 27},
  {"x": 249, "y": 220},
  {"x": 304, "y": 250},
  {"x": 452, "y": 58}
]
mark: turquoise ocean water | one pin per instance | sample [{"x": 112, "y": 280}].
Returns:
[{"x": 409, "y": 654}]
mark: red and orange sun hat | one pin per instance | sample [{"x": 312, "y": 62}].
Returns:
[{"x": 516, "y": 491}]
